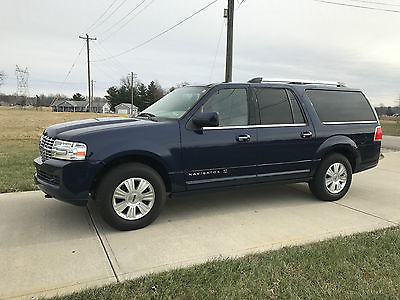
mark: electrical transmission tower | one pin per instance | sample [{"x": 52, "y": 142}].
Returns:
[{"x": 22, "y": 81}]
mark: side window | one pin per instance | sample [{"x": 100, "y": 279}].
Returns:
[
  {"x": 231, "y": 106},
  {"x": 274, "y": 106},
  {"x": 341, "y": 106},
  {"x": 298, "y": 116}
]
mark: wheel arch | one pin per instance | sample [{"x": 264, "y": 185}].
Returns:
[
  {"x": 144, "y": 158},
  {"x": 342, "y": 145}
]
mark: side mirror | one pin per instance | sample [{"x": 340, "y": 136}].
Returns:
[{"x": 206, "y": 119}]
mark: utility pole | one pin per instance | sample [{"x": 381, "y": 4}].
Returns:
[
  {"x": 133, "y": 78},
  {"x": 92, "y": 92},
  {"x": 87, "y": 38},
  {"x": 229, "y": 41}
]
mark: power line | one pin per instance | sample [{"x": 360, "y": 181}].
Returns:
[
  {"x": 358, "y": 6},
  {"x": 124, "y": 17},
  {"x": 374, "y": 2},
  {"x": 110, "y": 67},
  {"x": 74, "y": 63},
  {"x": 118, "y": 65},
  {"x": 102, "y": 15},
  {"x": 127, "y": 22},
  {"x": 161, "y": 33},
  {"x": 110, "y": 15},
  {"x": 216, "y": 52},
  {"x": 69, "y": 71},
  {"x": 57, "y": 82}
]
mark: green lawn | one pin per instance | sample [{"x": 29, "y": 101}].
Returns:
[
  {"x": 362, "y": 266},
  {"x": 390, "y": 127},
  {"x": 20, "y": 131},
  {"x": 16, "y": 165}
]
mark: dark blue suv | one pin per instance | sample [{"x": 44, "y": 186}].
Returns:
[{"x": 211, "y": 136}]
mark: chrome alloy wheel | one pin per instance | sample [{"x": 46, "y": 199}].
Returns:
[
  {"x": 336, "y": 178},
  {"x": 133, "y": 198}
]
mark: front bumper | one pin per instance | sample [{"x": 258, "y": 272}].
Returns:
[{"x": 68, "y": 181}]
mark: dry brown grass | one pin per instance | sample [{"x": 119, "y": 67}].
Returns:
[
  {"x": 18, "y": 124},
  {"x": 20, "y": 131}
]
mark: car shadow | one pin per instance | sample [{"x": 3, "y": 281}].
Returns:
[{"x": 249, "y": 198}]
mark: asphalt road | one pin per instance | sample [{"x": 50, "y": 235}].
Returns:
[{"x": 48, "y": 247}]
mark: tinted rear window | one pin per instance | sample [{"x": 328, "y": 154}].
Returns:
[
  {"x": 274, "y": 106},
  {"x": 341, "y": 106}
]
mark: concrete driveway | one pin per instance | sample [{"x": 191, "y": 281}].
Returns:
[
  {"x": 48, "y": 247},
  {"x": 391, "y": 142}
]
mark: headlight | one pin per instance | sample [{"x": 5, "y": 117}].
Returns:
[{"x": 68, "y": 150}]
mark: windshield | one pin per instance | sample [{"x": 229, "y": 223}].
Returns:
[{"x": 177, "y": 103}]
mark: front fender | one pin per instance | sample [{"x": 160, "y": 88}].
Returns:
[{"x": 138, "y": 153}]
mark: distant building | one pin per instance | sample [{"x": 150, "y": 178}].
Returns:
[
  {"x": 98, "y": 106},
  {"x": 70, "y": 106},
  {"x": 125, "y": 108},
  {"x": 101, "y": 106}
]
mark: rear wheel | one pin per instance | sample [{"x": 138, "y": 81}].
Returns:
[
  {"x": 332, "y": 179},
  {"x": 131, "y": 196}
]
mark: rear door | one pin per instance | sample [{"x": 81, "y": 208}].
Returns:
[
  {"x": 223, "y": 155},
  {"x": 286, "y": 138}
]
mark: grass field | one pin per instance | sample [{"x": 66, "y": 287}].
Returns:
[
  {"x": 362, "y": 266},
  {"x": 391, "y": 127},
  {"x": 20, "y": 131}
]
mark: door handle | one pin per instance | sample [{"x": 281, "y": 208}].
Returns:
[
  {"x": 243, "y": 138},
  {"x": 306, "y": 134}
]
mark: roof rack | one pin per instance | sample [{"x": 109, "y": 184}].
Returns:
[{"x": 297, "y": 81}]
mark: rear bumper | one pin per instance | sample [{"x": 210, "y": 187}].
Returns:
[
  {"x": 366, "y": 166},
  {"x": 369, "y": 158},
  {"x": 68, "y": 181}
]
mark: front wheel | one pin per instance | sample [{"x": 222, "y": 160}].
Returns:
[
  {"x": 131, "y": 196},
  {"x": 332, "y": 179}
]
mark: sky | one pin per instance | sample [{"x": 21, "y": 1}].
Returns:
[{"x": 302, "y": 39}]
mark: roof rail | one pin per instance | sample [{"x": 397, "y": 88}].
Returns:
[{"x": 297, "y": 81}]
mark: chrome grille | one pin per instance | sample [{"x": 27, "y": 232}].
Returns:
[{"x": 45, "y": 146}]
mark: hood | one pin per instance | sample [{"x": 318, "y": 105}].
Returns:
[{"x": 72, "y": 129}]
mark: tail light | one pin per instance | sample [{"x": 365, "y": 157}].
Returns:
[{"x": 378, "y": 134}]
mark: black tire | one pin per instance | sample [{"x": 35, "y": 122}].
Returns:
[
  {"x": 113, "y": 179},
  {"x": 317, "y": 184}
]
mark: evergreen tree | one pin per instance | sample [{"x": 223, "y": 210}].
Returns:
[
  {"x": 78, "y": 97},
  {"x": 142, "y": 102},
  {"x": 143, "y": 96}
]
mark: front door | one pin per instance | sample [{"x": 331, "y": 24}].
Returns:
[{"x": 223, "y": 155}]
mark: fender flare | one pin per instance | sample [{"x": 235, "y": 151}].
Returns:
[{"x": 343, "y": 145}]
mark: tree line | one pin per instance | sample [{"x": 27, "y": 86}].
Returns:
[
  {"x": 143, "y": 96},
  {"x": 387, "y": 110}
]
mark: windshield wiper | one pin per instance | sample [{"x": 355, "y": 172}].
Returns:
[{"x": 148, "y": 116}]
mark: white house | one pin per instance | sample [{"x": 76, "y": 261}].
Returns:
[
  {"x": 98, "y": 106},
  {"x": 125, "y": 108},
  {"x": 101, "y": 106}
]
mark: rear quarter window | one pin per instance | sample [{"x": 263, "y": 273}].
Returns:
[{"x": 341, "y": 106}]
